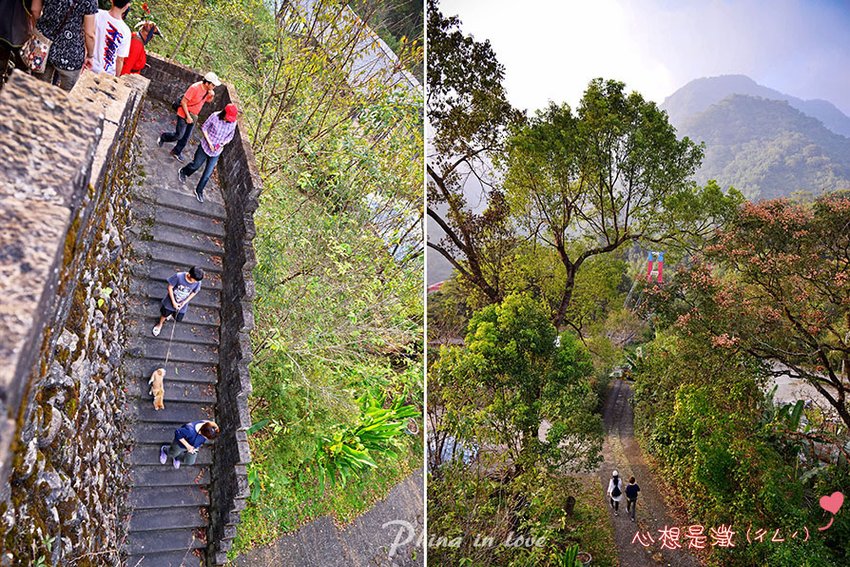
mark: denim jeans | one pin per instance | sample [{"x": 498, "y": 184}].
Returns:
[
  {"x": 178, "y": 452},
  {"x": 631, "y": 506},
  {"x": 181, "y": 135},
  {"x": 198, "y": 162}
]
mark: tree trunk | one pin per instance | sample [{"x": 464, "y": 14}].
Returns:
[{"x": 561, "y": 314}]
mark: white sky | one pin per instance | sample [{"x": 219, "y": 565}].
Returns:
[{"x": 551, "y": 49}]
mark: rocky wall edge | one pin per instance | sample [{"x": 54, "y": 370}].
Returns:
[{"x": 67, "y": 434}]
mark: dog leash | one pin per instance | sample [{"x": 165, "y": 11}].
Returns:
[{"x": 168, "y": 351}]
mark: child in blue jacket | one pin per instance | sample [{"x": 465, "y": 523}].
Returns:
[{"x": 187, "y": 440}]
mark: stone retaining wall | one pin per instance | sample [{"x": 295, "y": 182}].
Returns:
[
  {"x": 240, "y": 185},
  {"x": 64, "y": 280}
]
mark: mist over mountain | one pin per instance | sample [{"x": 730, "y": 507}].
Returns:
[{"x": 763, "y": 142}]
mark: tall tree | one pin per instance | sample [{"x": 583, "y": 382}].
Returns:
[
  {"x": 468, "y": 112},
  {"x": 519, "y": 374},
  {"x": 776, "y": 285},
  {"x": 613, "y": 173}
]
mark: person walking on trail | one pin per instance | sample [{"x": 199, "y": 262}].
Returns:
[
  {"x": 69, "y": 24},
  {"x": 615, "y": 492},
  {"x": 182, "y": 288},
  {"x": 190, "y": 106},
  {"x": 17, "y": 20},
  {"x": 111, "y": 39},
  {"x": 187, "y": 440},
  {"x": 632, "y": 490},
  {"x": 217, "y": 131}
]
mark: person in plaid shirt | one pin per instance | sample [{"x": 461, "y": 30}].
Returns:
[{"x": 217, "y": 131}]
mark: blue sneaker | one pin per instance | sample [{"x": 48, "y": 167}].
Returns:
[{"x": 163, "y": 454}]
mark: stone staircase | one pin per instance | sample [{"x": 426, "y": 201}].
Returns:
[{"x": 172, "y": 232}]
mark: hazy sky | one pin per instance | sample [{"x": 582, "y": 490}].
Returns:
[{"x": 551, "y": 49}]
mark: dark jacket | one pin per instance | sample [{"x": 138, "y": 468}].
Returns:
[
  {"x": 188, "y": 432},
  {"x": 632, "y": 491}
]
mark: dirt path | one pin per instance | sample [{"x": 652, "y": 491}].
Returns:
[{"x": 621, "y": 452}]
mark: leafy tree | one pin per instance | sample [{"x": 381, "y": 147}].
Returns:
[
  {"x": 611, "y": 174},
  {"x": 520, "y": 375},
  {"x": 702, "y": 413},
  {"x": 599, "y": 288},
  {"x": 468, "y": 112},
  {"x": 776, "y": 286}
]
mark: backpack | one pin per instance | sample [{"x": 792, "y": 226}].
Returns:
[{"x": 616, "y": 492}]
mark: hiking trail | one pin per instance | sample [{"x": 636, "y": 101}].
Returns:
[
  {"x": 621, "y": 452},
  {"x": 172, "y": 231}
]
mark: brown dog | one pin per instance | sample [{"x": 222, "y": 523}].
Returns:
[{"x": 157, "y": 388}]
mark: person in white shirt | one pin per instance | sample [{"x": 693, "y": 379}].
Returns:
[
  {"x": 615, "y": 492},
  {"x": 111, "y": 40}
]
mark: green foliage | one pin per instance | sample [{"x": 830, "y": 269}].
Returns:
[
  {"x": 350, "y": 450},
  {"x": 702, "y": 414},
  {"x": 469, "y": 114},
  {"x": 520, "y": 377},
  {"x": 462, "y": 501},
  {"x": 568, "y": 558},
  {"x": 610, "y": 174}
]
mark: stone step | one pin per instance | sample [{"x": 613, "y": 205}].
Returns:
[
  {"x": 182, "y": 412},
  {"x": 154, "y": 519},
  {"x": 158, "y": 433},
  {"x": 147, "y": 309},
  {"x": 168, "y": 496},
  {"x": 162, "y": 270},
  {"x": 175, "y": 539},
  {"x": 184, "y": 332},
  {"x": 186, "y": 238},
  {"x": 139, "y": 388},
  {"x": 148, "y": 454},
  {"x": 180, "y": 352},
  {"x": 158, "y": 475},
  {"x": 188, "y": 372},
  {"x": 192, "y": 222},
  {"x": 193, "y": 558},
  {"x": 181, "y": 258},
  {"x": 157, "y": 289},
  {"x": 184, "y": 200}
]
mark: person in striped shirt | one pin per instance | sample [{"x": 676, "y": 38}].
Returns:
[{"x": 217, "y": 131}]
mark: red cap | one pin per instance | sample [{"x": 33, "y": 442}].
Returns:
[{"x": 230, "y": 112}]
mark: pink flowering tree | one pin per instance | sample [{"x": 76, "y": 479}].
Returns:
[{"x": 776, "y": 286}]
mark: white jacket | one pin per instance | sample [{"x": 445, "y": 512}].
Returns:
[{"x": 622, "y": 489}]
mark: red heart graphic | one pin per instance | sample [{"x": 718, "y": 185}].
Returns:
[{"x": 832, "y": 503}]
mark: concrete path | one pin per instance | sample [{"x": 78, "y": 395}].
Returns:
[
  {"x": 172, "y": 231},
  {"x": 365, "y": 542},
  {"x": 622, "y": 452}
]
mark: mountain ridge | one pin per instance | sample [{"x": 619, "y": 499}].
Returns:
[
  {"x": 698, "y": 94},
  {"x": 767, "y": 148},
  {"x": 760, "y": 140}
]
